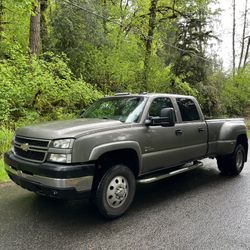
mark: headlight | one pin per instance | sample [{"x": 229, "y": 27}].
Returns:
[
  {"x": 63, "y": 158},
  {"x": 63, "y": 143}
]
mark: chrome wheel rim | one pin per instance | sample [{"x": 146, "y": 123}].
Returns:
[
  {"x": 117, "y": 191},
  {"x": 239, "y": 159}
]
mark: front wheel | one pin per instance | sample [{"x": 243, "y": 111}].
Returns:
[
  {"x": 232, "y": 164},
  {"x": 115, "y": 191}
]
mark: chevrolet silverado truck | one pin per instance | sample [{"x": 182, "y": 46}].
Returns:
[{"x": 120, "y": 141}]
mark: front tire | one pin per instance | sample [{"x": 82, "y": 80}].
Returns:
[
  {"x": 115, "y": 191},
  {"x": 232, "y": 165}
]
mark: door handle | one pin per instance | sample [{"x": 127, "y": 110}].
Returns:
[
  {"x": 178, "y": 132},
  {"x": 200, "y": 129}
]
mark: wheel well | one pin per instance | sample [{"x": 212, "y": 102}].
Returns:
[
  {"x": 242, "y": 139},
  {"x": 127, "y": 157}
]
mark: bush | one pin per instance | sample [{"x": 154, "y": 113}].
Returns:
[
  {"x": 236, "y": 94},
  {"x": 6, "y": 136},
  {"x": 40, "y": 89}
]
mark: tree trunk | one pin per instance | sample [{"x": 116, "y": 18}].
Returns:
[
  {"x": 148, "y": 44},
  {"x": 104, "y": 20},
  {"x": 1, "y": 19},
  {"x": 247, "y": 52},
  {"x": 199, "y": 24},
  {"x": 44, "y": 25},
  {"x": 243, "y": 36},
  {"x": 233, "y": 40},
  {"x": 35, "y": 27}
]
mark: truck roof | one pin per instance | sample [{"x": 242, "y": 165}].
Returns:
[{"x": 145, "y": 94}]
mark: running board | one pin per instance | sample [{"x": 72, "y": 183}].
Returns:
[{"x": 163, "y": 176}]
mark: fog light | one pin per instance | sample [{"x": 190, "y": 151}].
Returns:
[{"x": 64, "y": 158}]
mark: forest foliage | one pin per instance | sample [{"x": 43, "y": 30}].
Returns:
[{"x": 57, "y": 57}]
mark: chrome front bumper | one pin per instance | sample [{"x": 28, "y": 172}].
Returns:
[{"x": 80, "y": 184}]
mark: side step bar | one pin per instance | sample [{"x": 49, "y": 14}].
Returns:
[{"x": 154, "y": 178}]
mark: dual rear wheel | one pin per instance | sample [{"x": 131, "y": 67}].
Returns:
[{"x": 232, "y": 165}]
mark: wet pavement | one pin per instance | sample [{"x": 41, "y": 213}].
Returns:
[{"x": 195, "y": 210}]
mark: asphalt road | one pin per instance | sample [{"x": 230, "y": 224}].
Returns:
[{"x": 194, "y": 210}]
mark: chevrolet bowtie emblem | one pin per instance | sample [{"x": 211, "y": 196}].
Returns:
[{"x": 24, "y": 146}]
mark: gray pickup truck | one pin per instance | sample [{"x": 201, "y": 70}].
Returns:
[{"x": 119, "y": 141}]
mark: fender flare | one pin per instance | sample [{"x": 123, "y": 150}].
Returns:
[{"x": 113, "y": 146}]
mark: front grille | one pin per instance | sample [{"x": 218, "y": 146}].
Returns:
[
  {"x": 35, "y": 150},
  {"x": 32, "y": 155},
  {"x": 32, "y": 142}
]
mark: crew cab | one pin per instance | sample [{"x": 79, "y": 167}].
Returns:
[{"x": 119, "y": 141}]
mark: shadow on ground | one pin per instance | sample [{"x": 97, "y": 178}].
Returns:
[{"x": 81, "y": 212}]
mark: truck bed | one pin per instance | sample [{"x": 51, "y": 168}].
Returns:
[{"x": 222, "y": 134}]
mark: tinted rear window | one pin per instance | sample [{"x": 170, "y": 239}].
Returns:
[{"x": 188, "y": 109}]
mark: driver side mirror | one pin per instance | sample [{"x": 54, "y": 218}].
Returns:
[{"x": 166, "y": 118}]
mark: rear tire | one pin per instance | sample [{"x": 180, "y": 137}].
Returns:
[
  {"x": 232, "y": 165},
  {"x": 115, "y": 191}
]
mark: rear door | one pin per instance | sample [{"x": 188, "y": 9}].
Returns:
[{"x": 192, "y": 129}]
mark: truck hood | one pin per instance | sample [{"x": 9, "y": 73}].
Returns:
[{"x": 68, "y": 129}]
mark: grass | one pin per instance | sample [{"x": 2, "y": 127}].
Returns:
[
  {"x": 6, "y": 136},
  {"x": 3, "y": 174},
  {"x": 248, "y": 127}
]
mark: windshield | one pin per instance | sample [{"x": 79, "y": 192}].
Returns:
[{"x": 124, "y": 109}]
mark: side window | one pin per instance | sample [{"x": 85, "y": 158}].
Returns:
[
  {"x": 188, "y": 109},
  {"x": 158, "y": 104}
]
